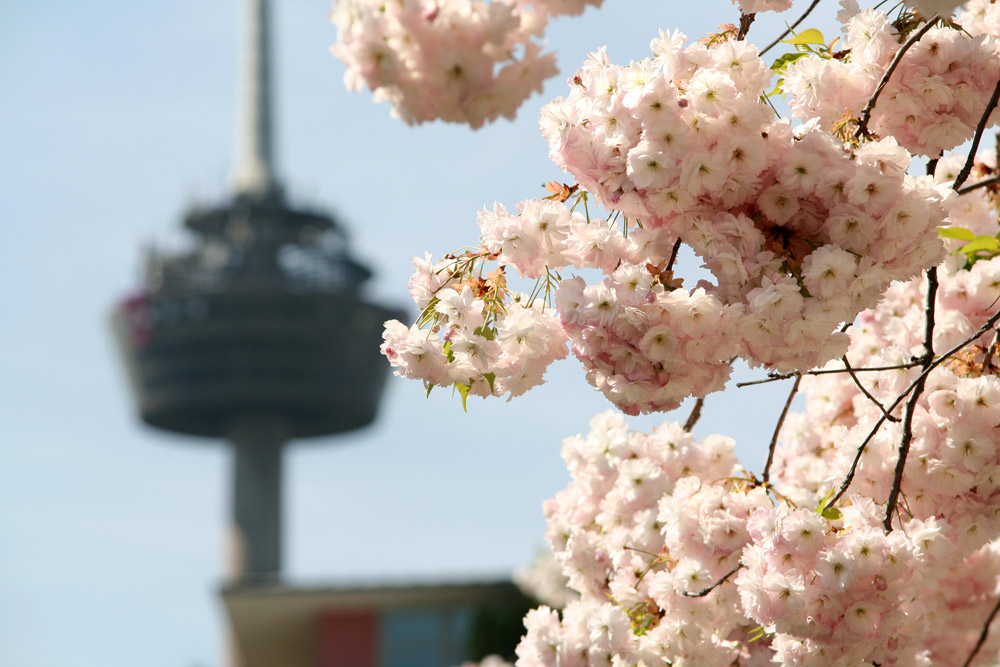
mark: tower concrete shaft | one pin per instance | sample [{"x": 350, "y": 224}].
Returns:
[
  {"x": 254, "y": 172},
  {"x": 257, "y": 445}
]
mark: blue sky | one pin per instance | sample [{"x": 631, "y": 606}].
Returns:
[{"x": 117, "y": 115}]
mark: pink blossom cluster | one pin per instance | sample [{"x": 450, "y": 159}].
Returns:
[
  {"x": 488, "y": 661},
  {"x": 841, "y": 592},
  {"x": 980, "y": 17},
  {"x": 645, "y": 343},
  {"x": 647, "y": 518},
  {"x": 561, "y": 7},
  {"x": 645, "y": 347},
  {"x": 461, "y": 61},
  {"x": 755, "y": 6},
  {"x": 473, "y": 342},
  {"x": 954, "y": 466},
  {"x": 799, "y": 232},
  {"x": 943, "y": 8},
  {"x": 545, "y": 582},
  {"x": 935, "y": 97},
  {"x": 651, "y": 520}
]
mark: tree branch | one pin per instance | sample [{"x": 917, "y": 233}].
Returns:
[
  {"x": 866, "y": 113},
  {"x": 765, "y": 478},
  {"x": 911, "y": 404},
  {"x": 980, "y": 128},
  {"x": 695, "y": 414},
  {"x": 937, "y": 362},
  {"x": 705, "y": 591},
  {"x": 777, "y": 377},
  {"x": 790, "y": 28},
  {"x": 982, "y": 635},
  {"x": 673, "y": 254},
  {"x": 745, "y": 21},
  {"x": 985, "y": 183},
  {"x": 857, "y": 381}
]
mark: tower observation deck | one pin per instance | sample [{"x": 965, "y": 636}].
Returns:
[{"x": 258, "y": 333}]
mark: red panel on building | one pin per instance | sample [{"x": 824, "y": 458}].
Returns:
[{"x": 347, "y": 639}]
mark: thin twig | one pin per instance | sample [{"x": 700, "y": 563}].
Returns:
[
  {"x": 777, "y": 377},
  {"x": 745, "y": 21},
  {"x": 985, "y": 183},
  {"x": 982, "y": 635},
  {"x": 911, "y": 404},
  {"x": 866, "y": 113},
  {"x": 705, "y": 591},
  {"x": 937, "y": 362},
  {"x": 857, "y": 381},
  {"x": 695, "y": 414},
  {"x": 790, "y": 28},
  {"x": 980, "y": 128},
  {"x": 765, "y": 478}
]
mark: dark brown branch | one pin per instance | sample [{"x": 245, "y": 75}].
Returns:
[
  {"x": 866, "y": 113},
  {"x": 982, "y": 635},
  {"x": 911, "y": 404},
  {"x": 766, "y": 477},
  {"x": 990, "y": 323},
  {"x": 857, "y": 382},
  {"x": 790, "y": 28},
  {"x": 985, "y": 183},
  {"x": 673, "y": 255},
  {"x": 705, "y": 591},
  {"x": 695, "y": 414},
  {"x": 980, "y": 128},
  {"x": 745, "y": 21}
]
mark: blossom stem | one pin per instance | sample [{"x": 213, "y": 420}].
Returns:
[
  {"x": 790, "y": 28},
  {"x": 866, "y": 113}
]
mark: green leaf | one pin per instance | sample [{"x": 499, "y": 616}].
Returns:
[
  {"x": 824, "y": 501},
  {"x": 956, "y": 233},
  {"x": 988, "y": 243},
  {"x": 429, "y": 387},
  {"x": 448, "y": 352},
  {"x": 487, "y": 332},
  {"x": 463, "y": 389},
  {"x": 785, "y": 60},
  {"x": 810, "y": 36},
  {"x": 491, "y": 378},
  {"x": 832, "y": 514}
]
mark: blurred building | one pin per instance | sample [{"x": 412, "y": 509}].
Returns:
[{"x": 415, "y": 625}]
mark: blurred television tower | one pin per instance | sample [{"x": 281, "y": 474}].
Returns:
[{"x": 258, "y": 334}]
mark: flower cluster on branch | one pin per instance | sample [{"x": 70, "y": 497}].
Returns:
[{"x": 872, "y": 536}]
